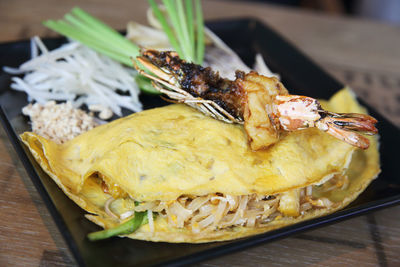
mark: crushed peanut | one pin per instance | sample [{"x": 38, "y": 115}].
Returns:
[{"x": 58, "y": 122}]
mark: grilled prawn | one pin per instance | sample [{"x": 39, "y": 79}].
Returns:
[{"x": 262, "y": 104}]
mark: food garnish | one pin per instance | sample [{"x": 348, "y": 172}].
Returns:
[
  {"x": 76, "y": 73},
  {"x": 58, "y": 122},
  {"x": 125, "y": 228},
  {"x": 219, "y": 56},
  {"x": 261, "y": 103},
  {"x": 88, "y": 30},
  {"x": 187, "y": 33}
]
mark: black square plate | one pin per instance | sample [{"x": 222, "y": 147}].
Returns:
[{"x": 298, "y": 73}]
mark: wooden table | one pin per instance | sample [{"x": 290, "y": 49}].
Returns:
[{"x": 361, "y": 53}]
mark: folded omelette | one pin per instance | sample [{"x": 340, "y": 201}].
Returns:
[{"x": 195, "y": 179}]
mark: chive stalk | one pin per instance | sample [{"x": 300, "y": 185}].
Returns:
[
  {"x": 173, "y": 15},
  {"x": 167, "y": 29},
  {"x": 123, "y": 229},
  {"x": 144, "y": 83},
  {"x": 200, "y": 33},
  {"x": 86, "y": 29},
  {"x": 69, "y": 31},
  {"x": 186, "y": 33},
  {"x": 189, "y": 13},
  {"x": 182, "y": 27},
  {"x": 105, "y": 30}
]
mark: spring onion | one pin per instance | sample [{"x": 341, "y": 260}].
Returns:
[
  {"x": 183, "y": 28},
  {"x": 144, "y": 83},
  {"x": 123, "y": 229},
  {"x": 186, "y": 33},
  {"x": 88, "y": 30},
  {"x": 200, "y": 33},
  {"x": 81, "y": 26}
]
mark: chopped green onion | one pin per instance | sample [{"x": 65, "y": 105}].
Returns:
[{"x": 123, "y": 229}]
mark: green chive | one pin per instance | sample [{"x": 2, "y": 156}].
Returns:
[
  {"x": 172, "y": 13},
  {"x": 200, "y": 33},
  {"x": 186, "y": 34},
  {"x": 144, "y": 84},
  {"x": 167, "y": 29},
  {"x": 123, "y": 229},
  {"x": 190, "y": 23},
  {"x": 67, "y": 30},
  {"x": 86, "y": 29},
  {"x": 106, "y": 31},
  {"x": 185, "y": 30}
]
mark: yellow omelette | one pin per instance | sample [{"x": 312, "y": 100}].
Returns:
[{"x": 196, "y": 179}]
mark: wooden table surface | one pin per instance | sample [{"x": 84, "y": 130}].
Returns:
[{"x": 358, "y": 52}]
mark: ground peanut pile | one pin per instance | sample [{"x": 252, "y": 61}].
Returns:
[{"x": 58, "y": 122}]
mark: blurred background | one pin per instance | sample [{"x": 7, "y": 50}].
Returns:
[{"x": 383, "y": 10}]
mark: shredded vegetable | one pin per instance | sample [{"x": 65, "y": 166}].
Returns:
[
  {"x": 88, "y": 30},
  {"x": 76, "y": 73},
  {"x": 218, "y": 211}
]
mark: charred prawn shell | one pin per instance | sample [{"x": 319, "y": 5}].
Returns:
[
  {"x": 201, "y": 82},
  {"x": 261, "y": 103}
]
